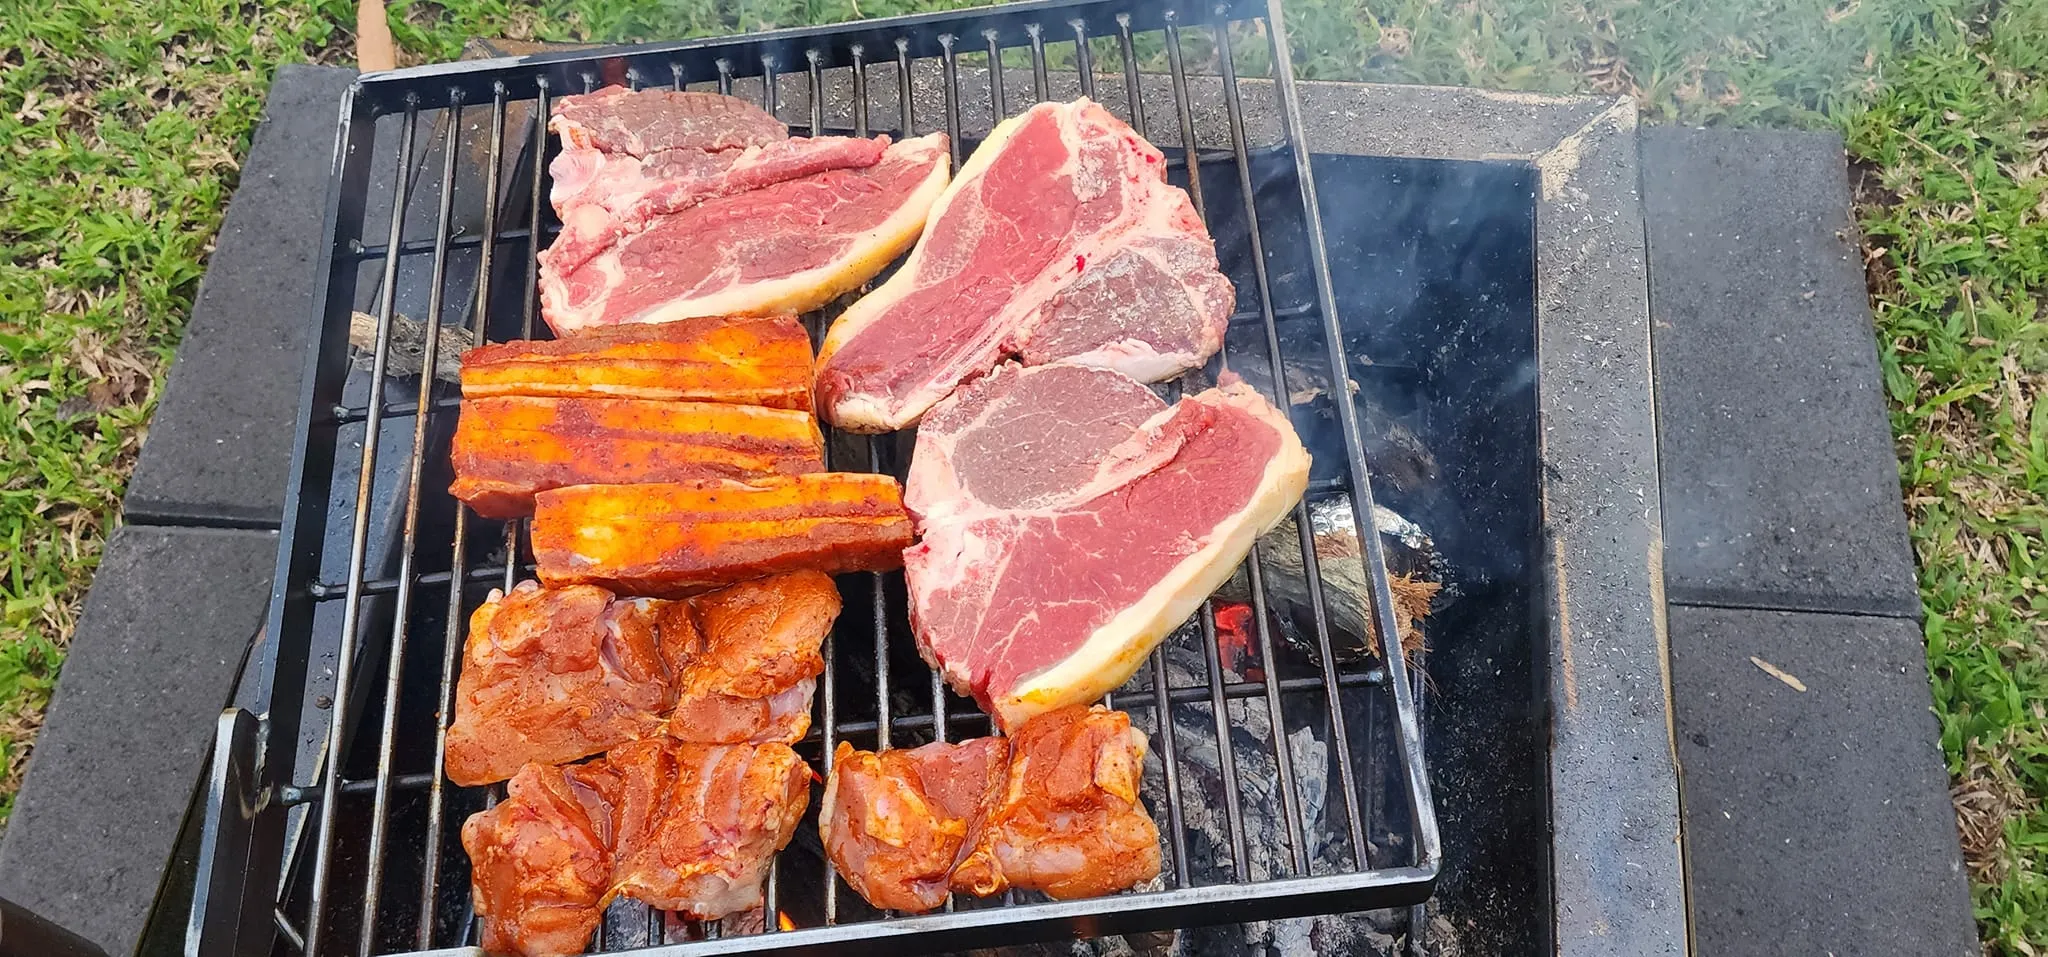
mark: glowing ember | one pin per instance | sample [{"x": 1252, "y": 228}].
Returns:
[{"x": 782, "y": 921}]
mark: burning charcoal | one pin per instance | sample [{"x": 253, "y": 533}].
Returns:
[{"x": 1204, "y": 812}]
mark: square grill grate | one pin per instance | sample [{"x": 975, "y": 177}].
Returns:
[{"x": 439, "y": 195}]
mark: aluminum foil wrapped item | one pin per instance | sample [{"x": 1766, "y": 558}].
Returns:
[{"x": 1417, "y": 573}]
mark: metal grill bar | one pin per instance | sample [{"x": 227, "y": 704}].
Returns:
[
  {"x": 451, "y": 640},
  {"x": 373, "y": 884},
  {"x": 359, "y": 543},
  {"x": 1420, "y": 808},
  {"x": 928, "y": 47},
  {"x": 1240, "y": 861}
]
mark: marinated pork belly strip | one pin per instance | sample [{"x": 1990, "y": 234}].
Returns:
[
  {"x": 1053, "y": 808},
  {"x": 764, "y": 360},
  {"x": 1069, "y": 520},
  {"x": 553, "y": 675},
  {"x": 508, "y": 448},
  {"x": 698, "y": 825},
  {"x": 896, "y": 824},
  {"x": 541, "y": 862},
  {"x": 788, "y": 247},
  {"x": 628, "y": 156},
  {"x": 1059, "y": 240},
  {"x": 680, "y": 538}
]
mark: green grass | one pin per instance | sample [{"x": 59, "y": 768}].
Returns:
[
  {"x": 120, "y": 126},
  {"x": 1960, "y": 254}
]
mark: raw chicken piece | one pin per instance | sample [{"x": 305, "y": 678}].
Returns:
[
  {"x": 697, "y": 825},
  {"x": 553, "y": 675},
  {"x": 1070, "y": 823},
  {"x": 755, "y": 662},
  {"x": 896, "y": 824},
  {"x": 541, "y": 862}
]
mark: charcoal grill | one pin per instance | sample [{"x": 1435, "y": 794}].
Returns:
[{"x": 328, "y": 816}]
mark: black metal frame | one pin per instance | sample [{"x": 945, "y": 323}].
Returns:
[{"x": 250, "y": 846}]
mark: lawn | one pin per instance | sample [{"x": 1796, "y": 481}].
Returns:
[{"x": 121, "y": 125}]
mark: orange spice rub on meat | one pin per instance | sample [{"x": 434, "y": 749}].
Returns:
[
  {"x": 680, "y": 538},
  {"x": 507, "y": 449},
  {"x": 1053, "y": 808},
  {"x": 552, "y": 675},
  {"x": 743, "y": 360}
]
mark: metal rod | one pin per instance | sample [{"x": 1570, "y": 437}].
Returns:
[
  {"x": 829, "y": 682},
  {"x": 1276, "y": 361},
  {"x": 421, "y": 247},
  {"x": 359, "y": 545},
  {"x": 1226, "y": 756},
  {"x": 904, "y": 105},
  {"x": 1230, "y": 691},
  {"x": 771, "y": 91},
  {"x": 484, "y": 574},
  {"x": 1233, "y": 813},
  {"x": 950, "y": 64},
  {"x": 881, "y": 611},
  {"x": 529, "y": 316},
  {"x": 998, "y": 106},
  {"x": 1131, "y": 86},
  {"x": 451, "y": 641},
  {"x": 817, "y": 80},
  {"x": 675, "y": 72},
  {"x": 1041, "y": 87},
  {"x": 724, "y": 76},
  {"x": 1084, "y": 58},
  {"x": 1421, "y": 806},
  {"x": 1169, "y": 753},
  {"x": 860, "y": 90},
  {"x": 401, "y": 619},
  {"x": 1184, "y": 111}
]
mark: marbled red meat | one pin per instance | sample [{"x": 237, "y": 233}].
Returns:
[
  {"x": 1070, "y": 519},
  {"x": 1059, "y": 240},
  {"x": 629, "y": 156},
  {"x": 787, "y": 246}
]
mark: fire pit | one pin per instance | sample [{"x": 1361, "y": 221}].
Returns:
[{"x": 1481, "y": 293}]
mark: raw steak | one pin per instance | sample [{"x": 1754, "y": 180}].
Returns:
[
  {"x": 787, "y": 247},
  {"x": 1059, "y": 240},
  {"x": 1070, "y": 519},
  {"x": 630, "y": 156}
]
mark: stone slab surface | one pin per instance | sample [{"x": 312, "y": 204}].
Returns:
[
  {"x": 219, "y": 447},
  {"x": 115, "y": 768},
  {"x": 1780, "y": 485},
  {"x": 1817, "y": 821}
]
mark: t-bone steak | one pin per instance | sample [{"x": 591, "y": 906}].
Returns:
[
  {"x": 787, "y": 247},
  {"x": 1059, "y": 240},
  {"x": 629, "y": 156},
  {"x": 1071, "y": 519}
]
